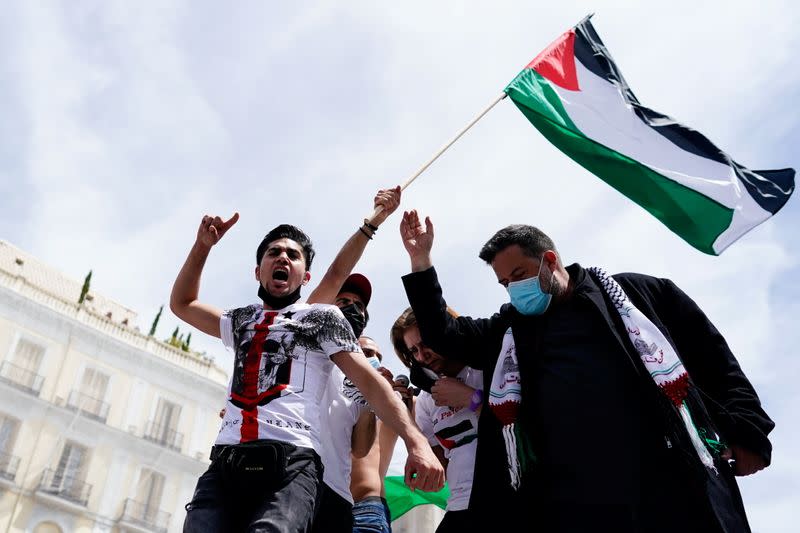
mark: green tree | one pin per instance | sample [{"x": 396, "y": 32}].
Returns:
[
  {"x": 155, "y": 322},
  {"x": 176, "y": 340},
  {"x": 85, "y": 289}
]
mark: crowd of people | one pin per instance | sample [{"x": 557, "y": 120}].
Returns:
[{"x": 588, "y": 403}]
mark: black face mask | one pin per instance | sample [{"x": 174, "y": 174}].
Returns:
[
  {"x": 422, "y": 377},
  {"x": 355, "y": 317},
  {"x": 278, "y": 302}
]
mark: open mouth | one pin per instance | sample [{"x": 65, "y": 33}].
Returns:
[{"x": 280, "y": 275}]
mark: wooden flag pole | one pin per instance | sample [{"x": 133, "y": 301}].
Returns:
[{"x": 444, "y": 148}]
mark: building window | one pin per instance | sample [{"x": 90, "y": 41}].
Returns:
[
  {"x": 88, "y": 398},
  {"x": 8, "y": 435},
  {"x": 22, "y": 370},
  {"x": 143, "y": 510},
  {"x": 67, "y": 480},
  {"x": 163, "y": 429}
]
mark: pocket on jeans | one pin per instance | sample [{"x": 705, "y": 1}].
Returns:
[{"x": 207, "y": 492}]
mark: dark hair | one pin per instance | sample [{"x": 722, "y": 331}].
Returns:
[
  {"x": 405, "y": 321},
  {"x": 532, "y": 240},
  {"x": 287, "y": 231}
]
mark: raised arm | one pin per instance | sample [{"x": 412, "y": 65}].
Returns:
[
  {"x": 347, "y": 258},
  {"x": 423, "y": 470},
  {"x": 183, "y": 300},
  {"x": 471, "y": 341}
]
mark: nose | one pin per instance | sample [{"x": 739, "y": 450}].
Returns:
[{"x": 423, "y": 354}]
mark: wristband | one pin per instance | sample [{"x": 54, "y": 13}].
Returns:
[
  {"x": 476, "y": 401},
  {"x": 365, "y": 232},
  {"x": 370, "y": 226}
]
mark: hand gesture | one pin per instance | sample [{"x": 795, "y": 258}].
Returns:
[
  {"x": 423, "y": 469},
  {"x": 745, "y": 461},
  {"x": 418, "y": 240},
  {"x": 451, "y": 393},
  {"x": 212, "y": 229},
  {"x": 386, "y": 202},
  {"x": 386, "y": 373},
  {"x": 404, "y": 390}
]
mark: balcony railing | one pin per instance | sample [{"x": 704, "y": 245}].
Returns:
[
  {"x": 163, "y": 435},
  {"x": 144, "y": 515},
  {"x": 24, "y": 379},
  {"x": 66, "y": 487},
  {"x": 88, "y": 406},
  {"x": 8, "y": 466}
]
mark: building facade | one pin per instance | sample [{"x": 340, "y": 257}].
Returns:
[{"x": 102, "y": 428}]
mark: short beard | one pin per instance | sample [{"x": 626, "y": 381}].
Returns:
[{"x": 555, "y": 289}]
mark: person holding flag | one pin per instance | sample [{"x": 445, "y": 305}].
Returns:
[
  {"x": 613, "y": 401},
  {"x": 265, "y": 471}
]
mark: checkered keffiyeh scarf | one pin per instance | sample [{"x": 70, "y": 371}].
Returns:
[{"x": 657, "y": 354}]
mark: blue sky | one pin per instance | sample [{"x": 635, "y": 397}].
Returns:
[{"x": 125, "y": 122}]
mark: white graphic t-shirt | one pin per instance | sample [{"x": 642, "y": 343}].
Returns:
[
  {"x": 342, "y": 404},
  {"x": 280, "y": 370},
  {"x": 456, "y": 431}
]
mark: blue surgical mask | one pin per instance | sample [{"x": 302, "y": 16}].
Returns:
[{"x": 527, "y": 296}]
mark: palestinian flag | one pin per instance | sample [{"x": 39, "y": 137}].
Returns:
[
  {"x": 575, "y": 95},
  {"x": 402, "y": 499}
]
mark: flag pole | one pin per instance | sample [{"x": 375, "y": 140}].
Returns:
[
  {"x": 444, "y": 148},
  {"x": 452, "y": 141}
]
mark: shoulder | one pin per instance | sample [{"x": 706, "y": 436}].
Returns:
[
  {"x": 642, "y": 281},
  {"x": 651, "y": 289},
  {"x": 303, "y": 313},
  {"x": 242, "y": 315},
  {"x": 315, "y": 309}
]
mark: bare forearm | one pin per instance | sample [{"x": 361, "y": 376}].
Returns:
[
  {"x": 185, "y": 291},
  {"x": 342, "y": 266},
  {"x": 186, "y": 288},
  {"x": 387, "y": 406}
]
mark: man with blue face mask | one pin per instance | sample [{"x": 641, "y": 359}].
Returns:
[{"x": 614, "y": 404}]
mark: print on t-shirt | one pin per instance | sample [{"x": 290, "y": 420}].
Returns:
[{"x": 280, "y": 355}]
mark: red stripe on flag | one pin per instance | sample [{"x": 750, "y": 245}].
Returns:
[
  {"x": 252, "y": 362},
  {"x": 556, "y": 63}
]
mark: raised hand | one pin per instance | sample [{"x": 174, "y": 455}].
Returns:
[
  {"x": 213, "y": 228},
  {"x": 417, "y": 239},
  {"x": 388, "y": 200}
]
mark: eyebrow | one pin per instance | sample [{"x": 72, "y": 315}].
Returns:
[
  {"x": 289, "y": 251},
  {"x": 513, "y": 273}
]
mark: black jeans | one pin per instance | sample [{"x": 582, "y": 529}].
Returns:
[
  {"x": 284, "y": 503},
  {"x": 460, "y": 522},
  {"x": 334, "y": 513}
]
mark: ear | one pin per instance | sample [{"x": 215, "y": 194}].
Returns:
[
  {"x": 258, "y": 271},
  {"x": 550, "y": 259},
  {"x": 306, "y": 277}
]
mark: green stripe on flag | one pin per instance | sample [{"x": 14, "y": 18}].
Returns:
[
  {"x": 402, "y": 499},
  {"x": 696, "y": 218}
]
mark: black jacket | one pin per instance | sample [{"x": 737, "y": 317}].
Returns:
[{"x": 721, "y": 400}]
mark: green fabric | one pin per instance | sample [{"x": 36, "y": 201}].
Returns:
[
  {"x": 402, "y": 499},
  {"x": 525, "y": 454},
  {"x": 699, "y": 220}
]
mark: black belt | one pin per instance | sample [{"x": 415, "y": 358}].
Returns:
[{"x": 292, "y": 452}]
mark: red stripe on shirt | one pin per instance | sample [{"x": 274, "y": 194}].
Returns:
[{"x": 252, "y": 363}]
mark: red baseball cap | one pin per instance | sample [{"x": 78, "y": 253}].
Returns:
[{"x": 358, "y": 284}]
